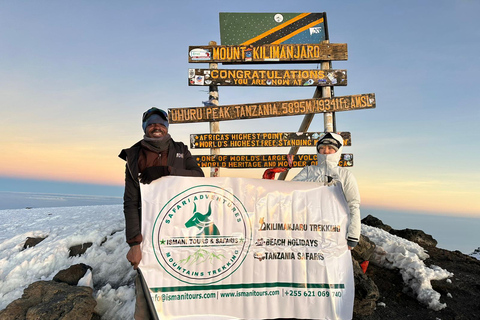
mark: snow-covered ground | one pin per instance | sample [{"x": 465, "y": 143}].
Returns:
[
  {"x": 476, "y": 253},
  {"x": 64, "y": 227},
  {"x": 112, "y": 274}
]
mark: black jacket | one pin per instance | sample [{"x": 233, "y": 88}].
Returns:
[{"x": 182, "y": 163}]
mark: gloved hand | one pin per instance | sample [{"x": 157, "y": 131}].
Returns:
[
  {"x": 153, "y": 173},
  {"x": 270, "y": 173}
]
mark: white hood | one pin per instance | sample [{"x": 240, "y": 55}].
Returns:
[
  {"x": 334, "y": 158},
  {"x": 328, "y": 163}
]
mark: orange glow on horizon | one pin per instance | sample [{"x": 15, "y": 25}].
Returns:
[{"x": 101, "y": 165}]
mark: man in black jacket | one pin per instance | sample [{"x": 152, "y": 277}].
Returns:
[{"x": 155, "y": 156}]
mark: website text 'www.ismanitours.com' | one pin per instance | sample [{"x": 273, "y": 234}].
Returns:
[
  {"x": 199, "y": 296},
  {"x": 250, "y": 293}
]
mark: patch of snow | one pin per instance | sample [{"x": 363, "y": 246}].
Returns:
[
  {"x": 87, "y": 280},
  {"x": 395, "y": 252},
  {"x": 476, "y": 253}
]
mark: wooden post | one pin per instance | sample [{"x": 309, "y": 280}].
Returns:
[
  {"x": 328, "y": 117},
  {"x": 214, "y": 125}
]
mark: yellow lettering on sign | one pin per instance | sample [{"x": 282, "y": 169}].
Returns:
[
  {"x": 260, "y": 110},
  {"x": 248, "y": 112},
  {"x": 274, "y": 54},
  {"x": 242, "y": 53},
  {"x": 309, "y": 107},
  {"x": 303, "y": 52},
  {"x": 274, "y": 109},
  {"x": 255, "y": 53},
  {"x": 290, "y": 52},
  {"x": 236, "y": 53},
  {"x": 297, "y": 53},
  {"x": 222, "y": 53},
  {"x": 215, "y": 53},
  {"x": 310, "y": 51},
  {"x": 358, "y": 102}
]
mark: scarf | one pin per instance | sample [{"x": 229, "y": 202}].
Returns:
[
  {"x": 154, "y": 152},
  {"x": 156, "y": 144}
]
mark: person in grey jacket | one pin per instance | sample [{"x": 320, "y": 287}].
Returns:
[
  {"x": 327, "y": 171},
  {"x": 153, "y": 157}
]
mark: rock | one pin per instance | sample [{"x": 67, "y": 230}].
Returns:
[
  {"x": 32, "y": 242},
  {"x": 375, "y": 222},
  {"x": 80, "y": 249},
  {"x": 363, "y": 250},
  {"x": 72, "y": 274},
  {"x": 52, "y": 300},
  {"x": 366, "y": 292},
  {"x": 417, "y": 236},
  {"x": 461, "y": 293}
]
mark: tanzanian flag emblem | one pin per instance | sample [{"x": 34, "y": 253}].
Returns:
[{"x": 272, "y": 28}]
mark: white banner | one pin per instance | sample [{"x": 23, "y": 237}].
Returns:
[{"x": 234, "y": 248}]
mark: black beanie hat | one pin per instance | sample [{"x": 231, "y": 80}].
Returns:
[
  {"x": 328, "y": 140},
  {"x": 154, "y": 115}
]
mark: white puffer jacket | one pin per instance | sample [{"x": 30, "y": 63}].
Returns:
[{"x": 328, "y": 166}]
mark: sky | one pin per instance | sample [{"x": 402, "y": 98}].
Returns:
[
  {"x": 112, "y": 277},
  {"x": 77, "y": 76}
]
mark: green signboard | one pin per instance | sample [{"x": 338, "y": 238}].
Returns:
[{"x": 272, "y": 28}]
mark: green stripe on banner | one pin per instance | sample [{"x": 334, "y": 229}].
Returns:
[{"x": 253, "y": 286}]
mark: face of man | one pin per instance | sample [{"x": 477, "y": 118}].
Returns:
[
  {"x": 326, "y": 150},
  {"x": 156, "y": 130}
]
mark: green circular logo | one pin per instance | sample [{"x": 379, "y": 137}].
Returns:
[{"x": 202, "y": 235}]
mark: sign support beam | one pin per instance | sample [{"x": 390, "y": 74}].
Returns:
[
  {"x": 214, "y": 125},
  {"x": 328, "y": 117}
]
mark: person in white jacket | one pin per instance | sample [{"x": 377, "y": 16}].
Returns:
[{"x": 327, "y": 171}]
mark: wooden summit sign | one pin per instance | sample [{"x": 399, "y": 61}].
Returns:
[
  {"x": 271, "y": 109},
  {"x": 268, "y": 53},
  {"x": 273, "y": 78},
  {"x": 265, "y": 161},
  {"x": 259, "y": 139}
]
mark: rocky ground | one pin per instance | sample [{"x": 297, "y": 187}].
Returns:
[
  {"x": 380, "y": 293},
  {"x": 461, "y": 294}
]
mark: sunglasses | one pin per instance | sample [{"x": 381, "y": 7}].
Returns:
[{"x": 151, "y": 111}]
